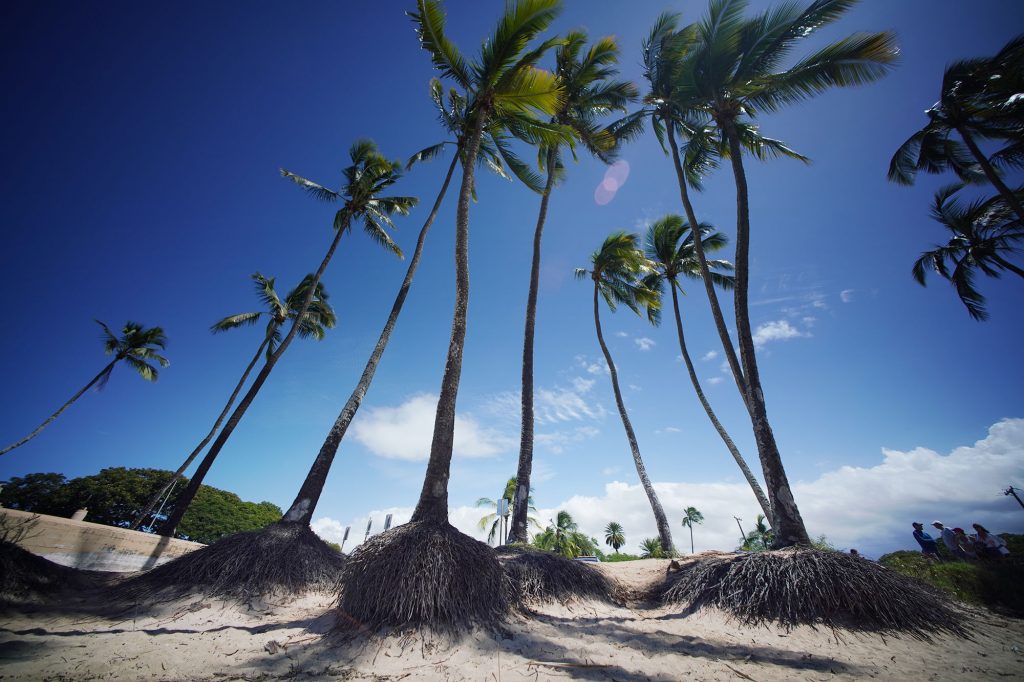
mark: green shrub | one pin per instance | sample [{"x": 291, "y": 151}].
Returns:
[{"x": 620, "y": 557}]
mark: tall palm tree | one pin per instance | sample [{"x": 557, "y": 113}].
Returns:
[
  {"x": 614, "y": 536},
  {"x": 137, "y": 347},
  {"x": 590, "y": 91},
  {"x": 494, "y": 519},
  {"x": 983, "y": 233},
  {"x": 729, "y": 73},
  {"x": 616, "y": 270},
  {"x": 495, "y": 154},
  {"x": 691, "y": 517},
  {"x": 670, "y": 248},
  {"x": 319, "y": 317},
  {"x": 361, "y": 197},
  {"x": 979, "y": 101},
  {"x": 502, "y": 81}
]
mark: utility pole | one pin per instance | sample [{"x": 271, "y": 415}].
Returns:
[
  {"x": 1013, "y": 491},
  {"x": 743, "y": 536},
  {"x": 345, "y": 537}
]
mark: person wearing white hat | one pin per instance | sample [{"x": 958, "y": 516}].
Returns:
[{"x": 949, "y": 539}]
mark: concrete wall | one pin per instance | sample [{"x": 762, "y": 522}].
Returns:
[{"x": 90, "y": 546}]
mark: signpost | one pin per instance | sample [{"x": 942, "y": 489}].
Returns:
[
  {"x": 387, "y": 522},
  {"x": 503, "y": 515}
]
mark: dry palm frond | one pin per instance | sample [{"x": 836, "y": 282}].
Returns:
[
  {"x": 285, "y": 558},
  {"x": 424, "y": 574},
  {"x": 545, "y": 576},
  {"x": 814, "y": 587}
]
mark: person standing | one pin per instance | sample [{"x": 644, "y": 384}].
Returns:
[
  {"x": 928, "y": 546},
  {"x": 949, "y": 540}
]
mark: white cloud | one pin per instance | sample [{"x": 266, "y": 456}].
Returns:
[
  {"x": 405, "y": 431},
  {"x": 557, "y": 441},
  {"x": 710, "y": 355},
  {"x": 621, "y": 335},
  {"x": 846, "y": 295},
  {"x": 635, "y": 387},
  {"x": 714, "y": 381},
  {"x": 779, "y": 330},
  {"x": 582, "y": 385},
  {"x": 599, "y": 367},
  {"x": 644, "y": 343},
  {"x": 672, "y": 429}
]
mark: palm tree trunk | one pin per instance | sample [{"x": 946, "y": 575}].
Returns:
[
  {"x": 991, "y": 174},
  {"x": 691, "y": 538},
  {"x": 1002, "y": 261},
  {"x": 787, "y": 522},
  {"x": 106, "y": 370},
  {"x": 433, "y": 502},
  {"x": 762, "y": 500},
  {"x": 155, "y": 500},
  {"x": 664, "y": 532},
  {"x": 185, "y": 498},
  {"x": 305, "y": 502},
  {"x": 709, "y": 286},
  {"x": 519, "y": 531}
]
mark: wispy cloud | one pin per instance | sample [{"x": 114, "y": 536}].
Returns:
[
  {"x": 779, "y": 330},
  {"x": 710, "y": 355},
  {"x": 644, "y": 343},
  {"x": 715, "y": 380},
  {"x": 846, "y": 295}
]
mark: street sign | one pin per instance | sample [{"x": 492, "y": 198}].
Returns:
[
  {"x": 387, "y": 522},
  {"x": 503, "y": 507}
]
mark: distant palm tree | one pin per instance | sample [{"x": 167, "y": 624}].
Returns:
[
  {"x": 362, "y": 199},
  {"x": 983, "y": 233},
  {"x": 616, "y": 270},
  {"x": 690, "y": 517},
  {"x": 614, "y": 536},
  {"x": 979, "y": 100},
  {"x": 650, "y": 548},
  {"x": 587, "y": 79},
  {"x": 494, "y": 519},
  {"x": 761, "y": 537},
  {"x": 670, "y": 249},
  {"x": 563, "y": 537},
  {"x": 319, "y": 317},
  {"x": 502, "y": 82},
  {"x": 136, "y": 346}
]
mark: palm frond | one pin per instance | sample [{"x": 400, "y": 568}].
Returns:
[
  {"x": 317, "y": 191},
  {"x": 235, "y": 321}
]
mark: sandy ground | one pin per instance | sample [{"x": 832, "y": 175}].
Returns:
[{"x": 214, "y": 640}]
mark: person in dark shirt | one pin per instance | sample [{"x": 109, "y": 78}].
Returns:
[{"x": 928, "y": 546}]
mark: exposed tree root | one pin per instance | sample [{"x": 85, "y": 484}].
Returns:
[
  {"x": 424, "y": 574},
  {"x": 283, "y": 558},
  {"x": 814, "y": 587},
  {"x": 26, "y": 577},
  {"x": 544, "y": 576}
]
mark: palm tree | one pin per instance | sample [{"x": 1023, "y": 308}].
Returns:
[
  {"x": 361, "y": 197},
  {"x": 502, "y": 82},
  {"x": 319, "y": 317},
  {"x": 136, "y": 346},
  {"x": 762, "y": 535},
  {"x": 614, "y": 536},
  {"x": 690, "y": 517},
  {"x": 590, "y": 92},
  {"x": 494, "y": 519},
  {"x": 728, "y": 73},
  {"x": 563, "y": 537},
  {"x": 983, "y": 232},
  {"x": 670, "y": 248},
  {"x": 650, "y": 548},
  {"x": 979, "y": 101},
  {"x": 494, "y": 153},
  {"x": 616, "y": 269}
]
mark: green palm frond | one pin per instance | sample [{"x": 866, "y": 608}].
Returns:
[
  {"x": 144, "y": 369},
  {"x": 235, "y": 321},
  {"x": 426, "y": 154},
  {"x": 521, "y": 22},
  {"x": 317, "y": 191},
  {"x": 429, "y": 19}
]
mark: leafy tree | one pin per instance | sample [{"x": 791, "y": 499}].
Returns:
[
  {"x": 31, "y": 492},
  {"x": 494, "y": 520},
  {"x": 616, "y": 270},
  {"x": 563, "y": 537},
  {"x": 760, "y": 538},
  {"x": 590, "y": 92},
  {"x": 670, "y": 248},
  {"x": 362, "y": 199},
  {"x": 137, "y": 347},
  {"x": 502, "y": 82},
  {"x": 319, "y": 317},
  {"x": 983, "y": 233},
  {"x": 215, "y": 514},
  {"x": 979, "y": 101},
  {"x": 614, "y": 536},
  {"x": 651, "y": 548},
  {"x": 690, "y": 517}
]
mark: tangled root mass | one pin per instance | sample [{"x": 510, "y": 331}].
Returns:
[{"x": 544, "y": 576}]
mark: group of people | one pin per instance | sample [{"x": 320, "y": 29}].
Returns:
[{"x": 980, "y": 545}]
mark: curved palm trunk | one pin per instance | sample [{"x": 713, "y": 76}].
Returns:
[
  {"x": 762, "y": 500},
  {"x": 155, "y": 500},
  {"x": 305, "y": 502},
  {"x": 185, "y": 498},
  {"x": 433, "y": 503},
  {"x": 709, "y": 286},
  {"x": 519, "y": 532},
  {"x": 664, "y": 532},
  {"x": 991, "y": 174},
  {"x": 106, "y": 370},
  {"x": 787, "y": 522}
]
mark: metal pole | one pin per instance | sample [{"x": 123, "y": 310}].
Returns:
[
  {"x": 369, "y": 523},
  {"x": 743, "y": 536},
  {"x": 345, "y": 537},
  {"x": 1012, "y": 491},
  {"x": 166, "y": 497}
]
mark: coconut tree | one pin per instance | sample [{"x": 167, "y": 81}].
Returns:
[
  {"x": 650, "y": 548},
  {"x": 983, "y": 234},
  {"x": 319, "y": 317},
  {"x": 670, "y": 248},
  {"x": 562, "y": 536},
  {"x": 691, "y": 517},
  {"x": 614, "y": 536},
  {"x": 979, "y": 101},
  {"x": 456, "y": 580},
  {"x": 761, "y": 537},
  {"x": 616, "y": 270},
  {"x": 494, "y": 519},
  {"x": 362, "y": 198},
  {"x": 136, "y": 346},
  {"x": 729, "y": 72},
  {"x": 587, "y": 77}
]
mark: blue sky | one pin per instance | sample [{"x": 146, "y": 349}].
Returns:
[{"x": 142, "y": 145}]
